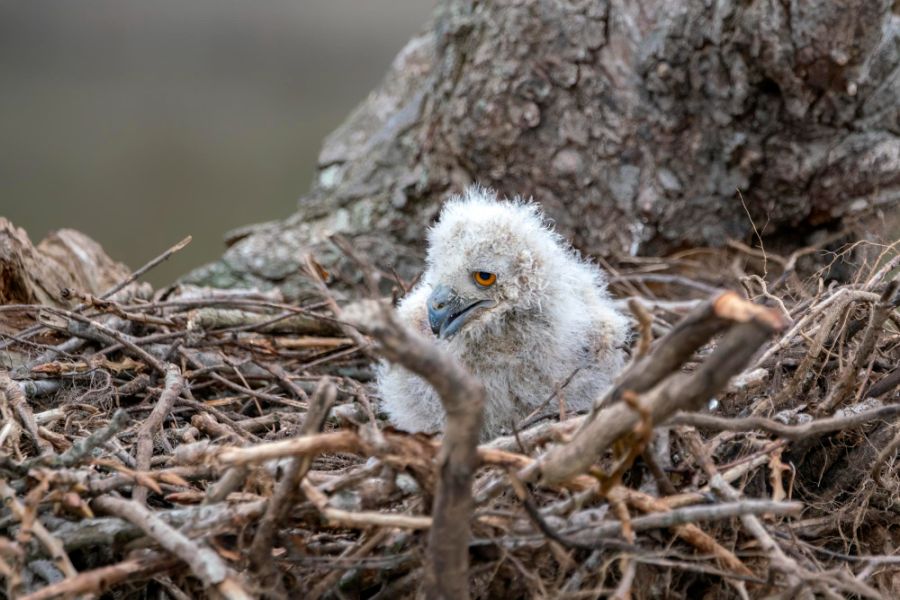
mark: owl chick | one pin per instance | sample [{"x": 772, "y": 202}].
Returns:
[{"x": 515, "y": 304}]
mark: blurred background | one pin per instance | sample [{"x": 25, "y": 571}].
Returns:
[{"x": 142, "y": 122}]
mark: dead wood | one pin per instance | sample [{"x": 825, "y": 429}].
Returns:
[
  {"x": 128, "y": 427},
  {"x": 286, "y": 492},
  {"x": 65, "y": 260},
  {"x": 98, "y": 580},
  {"x": 463, "y": 401},
  {"x": 462, "y": 397},
  {"x": 172, "y": 386},
  {"x": 684, "y": 392},
  {"x": 203, "y": 561}
]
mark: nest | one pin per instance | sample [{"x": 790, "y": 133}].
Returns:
[{"x": 209, "y": 443}]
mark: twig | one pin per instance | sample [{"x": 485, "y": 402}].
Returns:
[
  {"x": 665, "y": 279},
  {"x": 883, "y": 455},
  {"x": 230, "y": 320},
  {"x": 335, "y": 441},
  {"x": 82, "y": 448},
  {"x": 23, "y": 410},
  {"x": 53, "y": 546},
  {"x": 362, "y": 520},
  {"x": 172, "y": 387},
  {"x": 592, "y": 535},
  {"x": 884, "y": 385},
  {"x": 769, "y": 295},
  {"x": 689, "y": 532},
  {"x": 534, "y": 415},
  {"x": 261, "y": 395},
  {"x": 645, "y": 327},
  {"x": 843, "y": 295},
  {"x": 791, "y": 432},
  {"x": 136, "y": 274},
  {"x": 285, "y": 381},
  {"x": 313, "y": 271},
  {"x": 232, "y": 479},
  {"x": 531, "y": 509},
  {"x": 203, "y": 561},
  {"x": 778, "y": 559},
  {"x": 848, "y": 376},
  {"x": 101, "y": 579},
  {"x": 109, "y": 332},
  {"x": 762, "y": 247},
  {"x": 286, "y": 491},
  {"x": 629, "y": 569},
  {"x": 116, "y": 288},
  {"x": 11, "y": 573},
  {"x": 334, "y": 574},
  {"x": 887, "y": 267}
]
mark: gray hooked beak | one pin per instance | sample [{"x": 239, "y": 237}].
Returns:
[{"x": 448, "y": 312}]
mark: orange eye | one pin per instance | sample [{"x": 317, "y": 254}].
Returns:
[{"x": 484, "y": 279}]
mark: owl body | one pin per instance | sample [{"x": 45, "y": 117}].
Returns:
[{"x": 545, "y": 321}]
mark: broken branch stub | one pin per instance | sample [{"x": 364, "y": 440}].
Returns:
[
  {"x": 677, "y": 346},
  {"x": 751, "y": 326}
]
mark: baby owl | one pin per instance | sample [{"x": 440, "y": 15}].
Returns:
[{"x": 515, "y": 304}]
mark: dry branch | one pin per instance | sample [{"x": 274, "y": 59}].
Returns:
[
  {"x": 362, "y": 520},
  {"x": 16, "y": 397},
  {"x": 91, "y": 329},
  {"x": 689, "y": 532},
  {"x": 689, "y": 514},
  {"x": 462, "y": 397},
  {"x": 673, "y": 349},
  {"x": 236, "y": 466},
  {"x": 99, "y": 580},
  {"x": 792, "y": 432},
  {"x": 463, "y": 401},
  {"x": 754, "y": 325},
  {"x": 877, "y": 318},
  {"x": 172, "y": 386},
  {"x": 287, "y": 490},
  {"x": 49, "y": 541},
  {"x": 82, "y": 449},
  {"x": 203, "y": 561},
  {"x": 779, "y": 559},
  {"x": 134, "y": 276}
]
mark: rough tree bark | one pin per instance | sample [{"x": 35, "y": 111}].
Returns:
[{"x": 633, "y": 123}]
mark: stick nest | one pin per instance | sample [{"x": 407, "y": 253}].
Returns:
[{"x": 202, "y": 443}]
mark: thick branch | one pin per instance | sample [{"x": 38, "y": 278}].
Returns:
[
  {"x": 463, "y": 401},
  {"x": 676, "y": 347},
  {"x": 680, "y": 392},
  {"x": 692, "y": 514}
]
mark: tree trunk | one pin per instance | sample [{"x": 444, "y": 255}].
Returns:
[{"x": 634, "y": 123}]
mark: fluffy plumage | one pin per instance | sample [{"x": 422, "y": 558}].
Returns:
[{"x": 547, "y": 313}]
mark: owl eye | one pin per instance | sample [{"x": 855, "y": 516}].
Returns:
[{"x": 484, "y": 279}]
